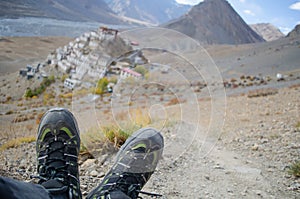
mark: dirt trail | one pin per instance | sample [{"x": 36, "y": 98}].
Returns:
[
  {"x": 213, "y": 167},
  {"x": 204, "y": 172}
]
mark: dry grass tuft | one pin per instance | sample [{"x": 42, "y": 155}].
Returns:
[
  {"x": 262, "y": 92},
  {"x": 16, "y": 142},
  {"x": 295, "y": 169},
  {"x": 175, "y": 101},
  {"x": 115, "y": 134},
  {"x": 298, "y": 125}
]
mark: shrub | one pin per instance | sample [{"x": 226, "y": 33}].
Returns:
[
  {"x": 262, "y": 92},
  {"x": 29, "y": 93},
  {"x": 9, "y": 112},
  {"x": 295, "y": 169},
  {"x": 47, "y": 97},
  {"x": 141, "y": 69},
  {"x": 81, "y": 92},
  {"x": 139, "y": 118},
  {"x": 64, "y": 77},
  {"x": 16, "y": 142},
  {"x": 67, "y": 95},
  {"x": 8, "y": 98},
  {"x": 174, "y": 101},
  {"x": 99, "y": 140},
  {"x": 233, "y": 80},
  {"x": 20, "y": 118},
  {"x": 115, "y": 135},
  {"x": 39, "y": 117},
  {"x": 298, "y": 125},
  {"x": 101, "y": 86}
]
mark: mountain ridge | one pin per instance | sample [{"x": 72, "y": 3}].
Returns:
[
  {"x": 152, "y": 11},
  {"x": 81, "y": 10},
  {"x": 215, "y": 22},
  {"x": 295, "y": 32},
  {"x": 267, "y": 31}
]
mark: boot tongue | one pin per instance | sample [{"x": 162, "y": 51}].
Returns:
[
  {"x": 57, "y": 155},
  {"x": 56, "y": 184}
]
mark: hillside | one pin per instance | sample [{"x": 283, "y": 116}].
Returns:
[
  {"x": 152, "y": 11},
  {"x": 267, "y": 31},
  {"x": 215, "y": 22},
  {"x": 80, "y": 10},
  {"x": 246, "y": 139},
  {"x": 295, "y": 32}
]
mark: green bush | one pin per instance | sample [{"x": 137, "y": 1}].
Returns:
[
  {"x": 101, "y": 86},
  {"x": 28, "y": 93},
  {"x": 64, "y": 77},
  {"x": 141, "y": 69},
  {"x": 295, "y": 169},
  {"x": 115, "y": 135},
  {"x": 37, "y": 91}
]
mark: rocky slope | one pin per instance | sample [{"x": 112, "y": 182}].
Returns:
[
  {"x": 215, "y": 22},
  {"x": 295, "y": 32},
  {"x": 152, "y": 11},
  {"x": 81, "y": 10},
  {"x": 267, "y": 31},
  {"x": 250, "y": 160}
]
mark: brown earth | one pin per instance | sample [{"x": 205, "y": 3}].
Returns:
[
  {"x": 17, "y": 52},
  {"x": 240, "y": 145},
  {"x": 249, "y": 159}
]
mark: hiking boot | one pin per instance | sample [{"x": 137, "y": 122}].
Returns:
[
  {"x": 57, "y": 148},
  {"x": 135, "y": 163}
]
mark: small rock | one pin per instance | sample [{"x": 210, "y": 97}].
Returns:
[
  {"x": 88, "y": 163},
  {"x": 255, "y": 147},
  {"x": 264, "y": 141},
  {"x": 248, "y": 162},
  {"x": 218, "y": 167},
  {"x": 229, "y": 191},
  {"x": 83, "y": 187},
  {"x": 84, "y": 193},
  {"x": 23, "y": 164},
  {"x": 294, "y": 187},
  {"x": 94, "y": 173},
  {"x": 101, "y": 174},
  {"x": 258, "y": 192},
  {"x": 102, "y": 159}
]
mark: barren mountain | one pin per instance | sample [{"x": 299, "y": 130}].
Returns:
[
  {"x": 80, "y": 10},
  {"x": 267, "y": 31},
  {"x": 215, "y": 22},
  {"x": 153, "y": 11},
  {"x": 295, "y": 32}
]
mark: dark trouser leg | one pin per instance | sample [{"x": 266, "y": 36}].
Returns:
[
  {"x": 113, "y": 195},
  {"x": 14, "y": 189}
]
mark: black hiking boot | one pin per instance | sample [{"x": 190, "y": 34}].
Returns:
[
  {"x": 57, "y": 148},
  {"x": 135, "y": 163}
]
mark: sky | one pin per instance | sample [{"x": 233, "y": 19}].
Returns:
[{"x": 284, "y": 14}]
